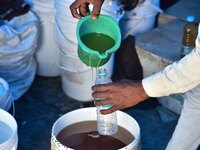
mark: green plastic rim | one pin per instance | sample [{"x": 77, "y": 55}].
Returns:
[{"x": 112, "y": 23}]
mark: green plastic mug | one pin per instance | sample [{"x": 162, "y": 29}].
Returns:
[{"x": 105, "y": 25}]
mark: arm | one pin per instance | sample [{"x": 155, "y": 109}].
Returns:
[{"x": 178, "y": 77}]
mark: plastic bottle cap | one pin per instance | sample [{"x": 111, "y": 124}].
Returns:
[
  {"x": 1, "y": 89},
  {"x": 102, "y": 72},
  {"x": 190, "y": 18}
]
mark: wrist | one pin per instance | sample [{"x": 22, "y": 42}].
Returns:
[{"x": 141, "y": 92}]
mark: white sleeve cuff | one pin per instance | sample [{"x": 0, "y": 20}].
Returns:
[{"x": 154, "y": 85}]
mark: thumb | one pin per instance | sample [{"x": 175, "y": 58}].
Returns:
[{"x": 96, "y": 8}]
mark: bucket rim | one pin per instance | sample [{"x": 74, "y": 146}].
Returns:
[
  {"x": 138, "y": 138},
  {"x": 107, "y": 52},
  {"x": 13, "y": 127},
  {"x": 134, "y": 142},
  {"x": 11, "y": 143}
]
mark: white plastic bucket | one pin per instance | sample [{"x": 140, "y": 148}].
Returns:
[
  {"x": 5, "y": 95},
  {"x": 76, "y": 77},
  {"x": 77, "y": 80},
  {"x": 10, "y": 141},
  {"x": 46, "y": 57},
  {"x": 89, "y": 114}
]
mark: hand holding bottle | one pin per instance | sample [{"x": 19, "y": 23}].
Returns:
[{"x": 123, "y": 94}]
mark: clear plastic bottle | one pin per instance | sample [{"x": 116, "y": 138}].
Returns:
[
  {"x": 106, "y": 124},
  {"x": 189, "y": 36}
]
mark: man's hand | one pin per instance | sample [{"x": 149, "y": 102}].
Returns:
[
  {"x": 80, "y": 8},
  {"x": 123, "y": 94}
]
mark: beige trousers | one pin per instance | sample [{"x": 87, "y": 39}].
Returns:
[{"x": 187, "y": 132}]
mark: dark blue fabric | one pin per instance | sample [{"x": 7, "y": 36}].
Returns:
[{"x": 12, "y": 8}]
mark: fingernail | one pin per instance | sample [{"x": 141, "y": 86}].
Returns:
[{"x": 94, "y": 17}]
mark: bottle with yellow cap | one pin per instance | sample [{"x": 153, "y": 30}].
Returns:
[{"x": 189, "y": 36}]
